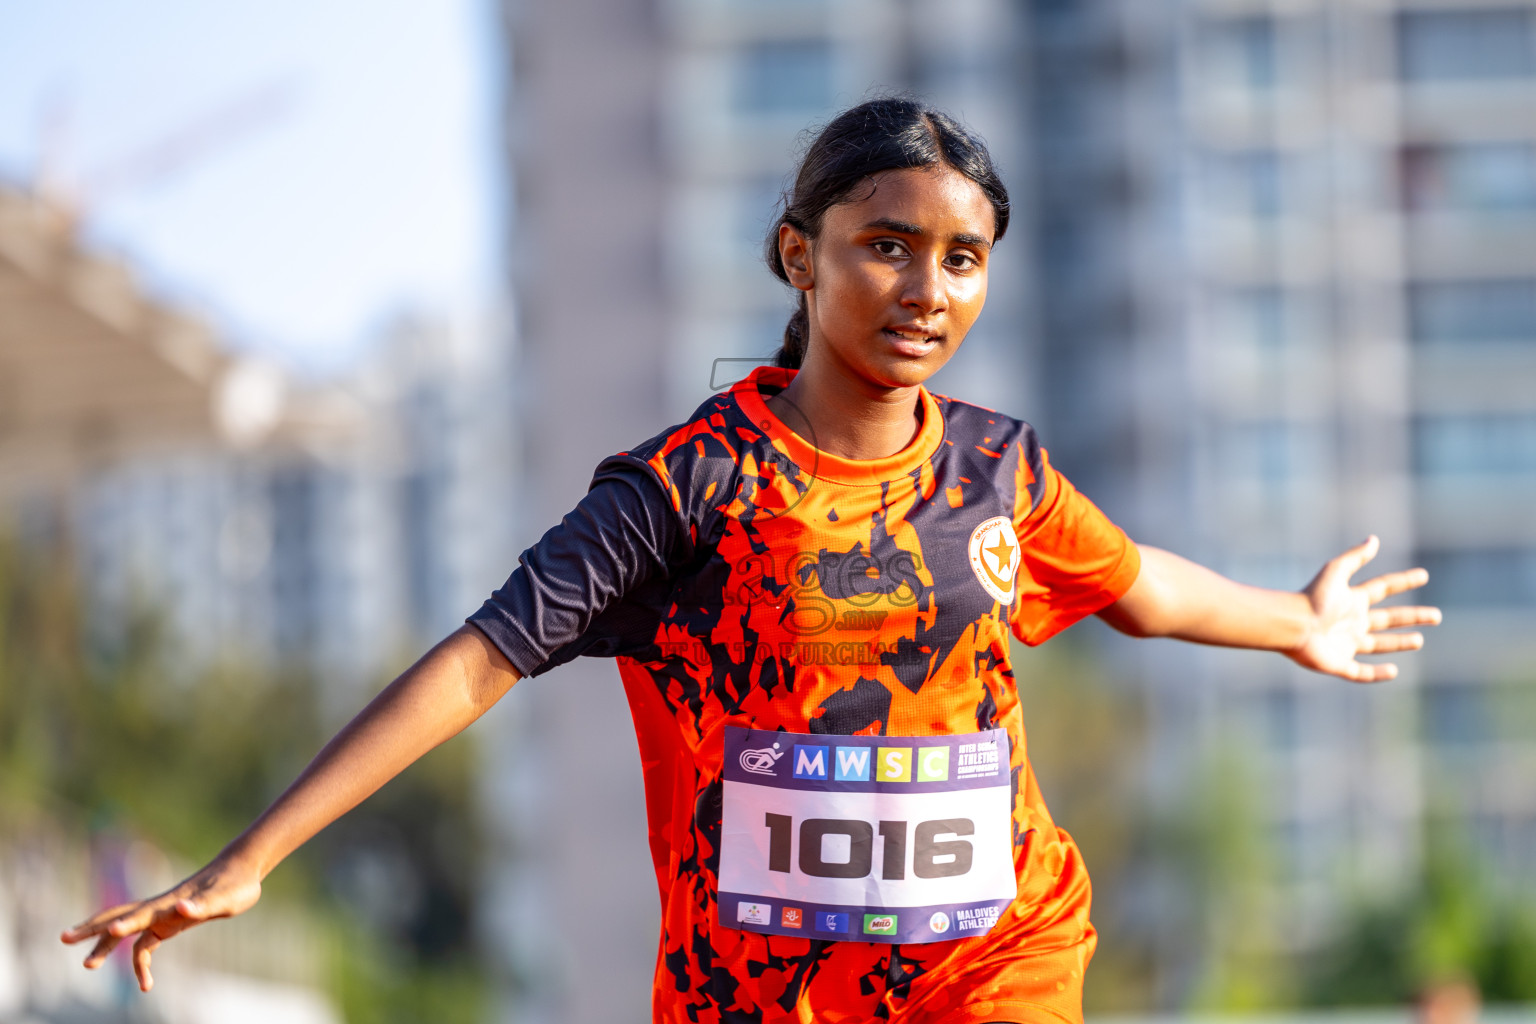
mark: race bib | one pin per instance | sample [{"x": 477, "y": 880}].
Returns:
[{"x": 867, "y": 838}]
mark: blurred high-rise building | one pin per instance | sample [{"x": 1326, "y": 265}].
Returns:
[
  {"x": 1288, "y": 298},
  {"x": 344, "y": 543},
  {"x": 1268, "y": 289}
]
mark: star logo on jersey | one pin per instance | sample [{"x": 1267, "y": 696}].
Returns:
[{"x": 994, "y": 554}]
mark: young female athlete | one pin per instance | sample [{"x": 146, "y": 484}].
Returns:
[{"x": 809, "y": 586}]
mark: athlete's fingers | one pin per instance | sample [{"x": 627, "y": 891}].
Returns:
[
  {"x": 1353, "y": 560},
  {"x": 1383, "y": 587},
  {"x": 142, "y": 916},
  {"x": 1336, "y": 572},
  {"x": 1387, "y": 643},
  {"x": 1407, "y": 615},
  {"x": 94, "y": 925},
  {"x": 1361, "y": 672},
  {"x": 146, "y": 945},
  {"x": 105, "y": 944}
]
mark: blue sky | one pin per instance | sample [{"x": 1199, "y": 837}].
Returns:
[{"x": 307, "y": 168}]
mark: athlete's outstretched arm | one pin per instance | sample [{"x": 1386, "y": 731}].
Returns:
[
  {"x": 452, "y": 685},
  {"x": 1323, "y": 627}
]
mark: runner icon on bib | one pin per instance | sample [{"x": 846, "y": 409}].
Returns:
[{"x": 866, "y": 838}]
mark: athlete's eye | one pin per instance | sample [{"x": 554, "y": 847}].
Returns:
[
  {"x": 889, "y": 247},
  {"x": 962, "y": 261}
]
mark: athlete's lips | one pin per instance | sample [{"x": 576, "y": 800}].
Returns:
[{"x": 914, "y": 339}]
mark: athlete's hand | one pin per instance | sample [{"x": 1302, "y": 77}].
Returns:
[
  {"x": 224, "y": 888},
  {"x": 1345, "y": 625}
]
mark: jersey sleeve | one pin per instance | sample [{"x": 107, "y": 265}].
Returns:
[
  {"x": 574, "y": 592},
  {"x": 1074, "y": 561}
]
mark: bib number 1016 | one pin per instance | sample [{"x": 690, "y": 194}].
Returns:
[{"x": 937, "y": 850}]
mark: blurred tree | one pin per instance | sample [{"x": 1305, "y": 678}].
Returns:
[
  {"x": 1227, "y": 851},
  {"x": 1451, "y": 925},
  {"x": 1086, "y": 738},
  {"x": 124, "y": 739}
]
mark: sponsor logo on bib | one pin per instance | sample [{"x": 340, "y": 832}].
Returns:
[
  {"x": 995, "y": 552},
  {"x": 852, "y": 764},
  {"x": 879, "y": 924},
  {"x": 895, "y": 764},
  {"x": 810, "y": 762},
  {"x": 932, "y": 764},
  {"x": 939, "y": 922},
  {"x": 762, "y": 760},
  {"x": 832, "y": 922},
  {"x": 753, "y": 913},
  {"x": 793, "y": 916}
]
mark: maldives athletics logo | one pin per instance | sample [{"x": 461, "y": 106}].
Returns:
[{"x": 994, "y": 554}]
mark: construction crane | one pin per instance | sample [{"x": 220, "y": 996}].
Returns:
[{"x": 158, "y": 161}]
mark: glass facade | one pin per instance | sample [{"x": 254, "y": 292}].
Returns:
[
  {"x": 757, "y": 201},
  {"x": 1275, "y": 453},
  {"x": 1493, "y": 577},
  {"x": 1475, "y": 445},
  {"x": 1242, "y": 51},
  {"x": 1465, "y": 44},
  {"x": 1262, "y": 316},
  {"x": 1454, "y": 715},
  {"x": 1470, "y": 177},
  {"x": 1250, "y": 184},
  {"x": 788, "y": 77},
  {"x": 1470, "y": 311}
]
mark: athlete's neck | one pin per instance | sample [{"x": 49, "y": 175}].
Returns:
[{"x": 847, "y": 419}]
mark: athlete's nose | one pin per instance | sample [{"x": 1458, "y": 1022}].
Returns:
[{"x": 924, "y": 290}]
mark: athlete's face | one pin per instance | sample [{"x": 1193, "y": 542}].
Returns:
[{"x": 895, "y": 278}]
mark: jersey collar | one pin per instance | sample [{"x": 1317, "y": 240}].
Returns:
[{"x": 824, "y": 465}]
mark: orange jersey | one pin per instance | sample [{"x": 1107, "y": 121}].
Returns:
[{"x": 744, "y": 578}]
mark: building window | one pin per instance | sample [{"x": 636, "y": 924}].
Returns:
[
  {"x": 1278, "y": 720},
  {"x": 764, "y": 331},
  {"x": 1261, "y": 316},
  {"x": 1455, "y": 312},
  {"x": 1474, "y": 445},
  {"x": 1273, "y": 570},
  {"x": 1478, "y": 177},
  {"x": 1506, "y": 841},
  {"x": 1250, "y": 184},
  {"x": 756, "y": 202},
  {"x": 778, "y": 77},
  {"x": 1242, "y": 52},
  {"x": 1263, "y": 451},
  {"x": 1454, "y": 716},
  {"x": 1482, "y": 578},
  {"x": 1465, "y": 44}
]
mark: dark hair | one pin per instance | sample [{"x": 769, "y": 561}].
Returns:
[{"x": 879, "y": 135}]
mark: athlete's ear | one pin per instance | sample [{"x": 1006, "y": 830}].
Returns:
[{"x": 795, "y": 253}]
